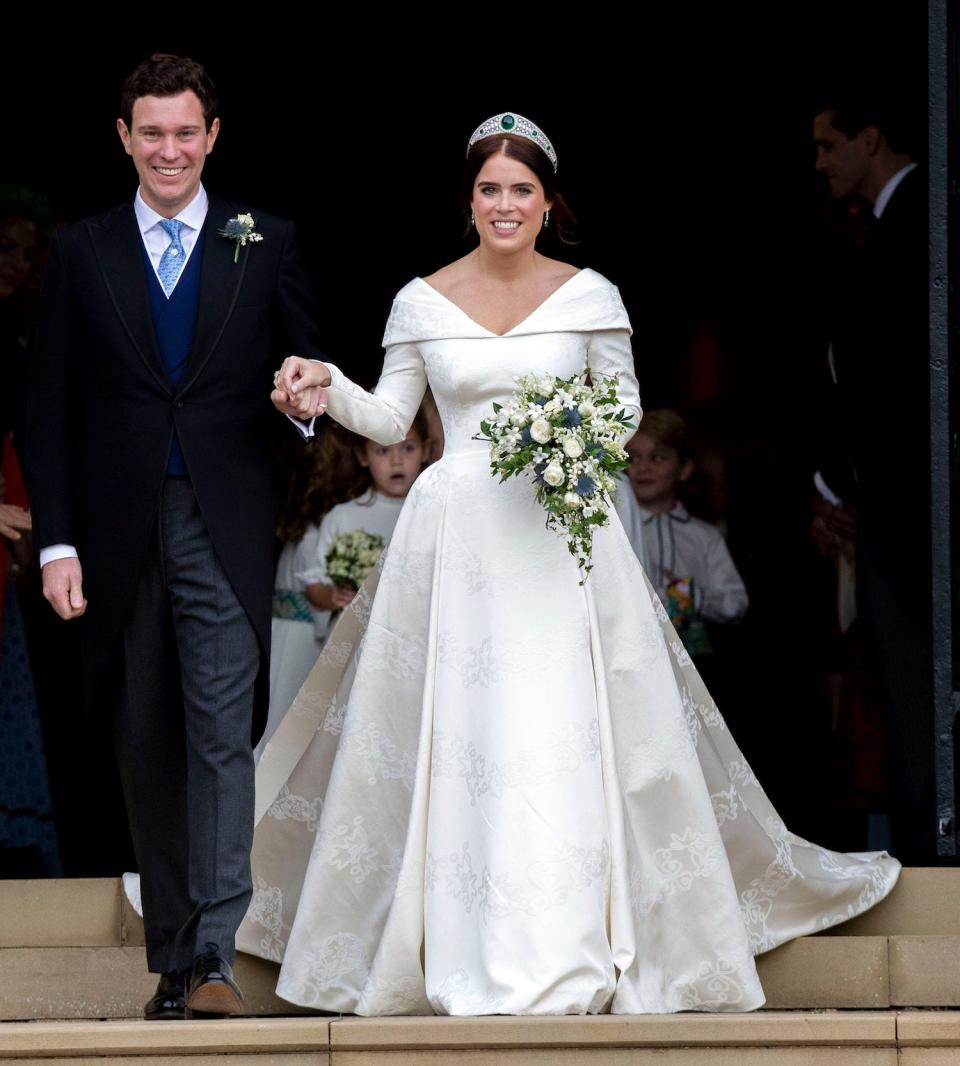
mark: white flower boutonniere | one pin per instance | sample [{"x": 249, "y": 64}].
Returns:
[{"x": 240, "y": 229}]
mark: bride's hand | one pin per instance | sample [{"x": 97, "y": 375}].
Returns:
[
  {"x": 299, "y": 387},
  {"x": 296, "y": 374}
]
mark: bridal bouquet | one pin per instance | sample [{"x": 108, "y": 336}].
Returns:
[
  {"x": 566, "y": 437},
  {"x": 352, "y": 556}
]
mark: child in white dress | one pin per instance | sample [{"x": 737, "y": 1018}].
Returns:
[
  {"x": 687, "y": 559},
  {"x": 379, "y": 478}
]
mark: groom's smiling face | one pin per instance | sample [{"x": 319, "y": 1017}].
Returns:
[{"x": 169, "y": 142}]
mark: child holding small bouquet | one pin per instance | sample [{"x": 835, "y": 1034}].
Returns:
[
  {"x": 319, "y": 573},
  {"x": 689, "y": 563},
  {"x": 353, "y": 533}
]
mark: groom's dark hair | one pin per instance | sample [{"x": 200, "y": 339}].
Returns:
[{"x": 168, "y": 75}]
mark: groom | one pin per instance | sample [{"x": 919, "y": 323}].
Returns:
[{"x": 157, "y": 330}]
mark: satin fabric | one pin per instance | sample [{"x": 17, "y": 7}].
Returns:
[{"x": 501, "y": 792}]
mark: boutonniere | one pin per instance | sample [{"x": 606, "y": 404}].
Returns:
[{"x": 240, "y": 229}]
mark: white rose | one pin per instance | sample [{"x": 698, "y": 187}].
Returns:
[
  {"x": 541, "y": 431},
  {"x": 545, "y": 386},
  {"x": 553, "y": 475},
  {"x": 572, "y": 447},
  {"x": 571, "y": 499},
  {"x": 552, "y": 406},
  {"x": 587, "y": 410}
]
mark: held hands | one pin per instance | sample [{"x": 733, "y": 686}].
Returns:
[
  {"x": 63, "y": 587},
  {"x": 300, "y": 387}
]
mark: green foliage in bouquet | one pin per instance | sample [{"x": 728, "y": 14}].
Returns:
[{"x": 565, "y": 436}]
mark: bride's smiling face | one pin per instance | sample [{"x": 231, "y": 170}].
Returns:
[{"x": 508, "y": 204}]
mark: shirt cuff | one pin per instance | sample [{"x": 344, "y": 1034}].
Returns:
[
  {"x": 57, "y": 551},
  {"x": 305, "y": 428},
  {"x": 825, "y": 491}
]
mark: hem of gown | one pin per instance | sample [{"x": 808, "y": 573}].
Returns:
[{"x": 693, "y": 743}]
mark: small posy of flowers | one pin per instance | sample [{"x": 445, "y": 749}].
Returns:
[
  {"x": 352, "y": 556},
  {"x": 565, "y": 436},
  {"x": 240, "y": 229}
]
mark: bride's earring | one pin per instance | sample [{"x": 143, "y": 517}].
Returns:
[
  {"x": 473, "y": 220},
  {"x": 546, "y": 219}
]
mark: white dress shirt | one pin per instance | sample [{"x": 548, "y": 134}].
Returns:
[
  {"x": 675, "y": 544},
  {"x": 889, "y": 189},
  {"x": 156, "y": 241}
]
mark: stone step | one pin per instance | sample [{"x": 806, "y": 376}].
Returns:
[
  {"x": 75, "y": 983},
  {"x": 924, "y": 902},
  {"x": 289, "y": 1042},
  {"x": 853, "y": 973},
  {"x": 74, "y": 950},
  {"x": 93, "y": 912},
  {"x": 830, "y": 1038}
]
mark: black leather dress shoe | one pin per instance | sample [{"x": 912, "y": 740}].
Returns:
[
  {"x": 212, "y": 991},
  {"x": 168, "y": 1002}
]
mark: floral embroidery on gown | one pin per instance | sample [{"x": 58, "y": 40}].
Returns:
[{"x": 500, "y": 792}]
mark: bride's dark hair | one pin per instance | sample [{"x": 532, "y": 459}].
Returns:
[{"x": 524, "y": 151}]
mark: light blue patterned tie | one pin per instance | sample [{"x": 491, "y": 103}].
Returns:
[{"x": 171, "y": 262}]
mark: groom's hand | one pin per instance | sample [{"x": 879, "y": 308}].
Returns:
[
  {"x": 306, "y": 404},
  {"x": 63, "y": 587},
  {"x": 300, "y": 387}
]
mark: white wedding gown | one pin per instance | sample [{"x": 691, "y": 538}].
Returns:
[{"x": 500, "y": 792}]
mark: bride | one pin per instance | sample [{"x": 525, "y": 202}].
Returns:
[{"x": 500, "y": 792}]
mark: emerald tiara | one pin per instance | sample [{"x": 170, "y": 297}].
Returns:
[{"x": 510, "y": 122}]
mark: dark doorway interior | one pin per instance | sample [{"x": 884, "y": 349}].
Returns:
[{"x": 685, "y": 150}]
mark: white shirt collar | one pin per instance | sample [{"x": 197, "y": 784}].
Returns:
[
  {"x": 193, "y": 215},
  {"x": 888, "y": 190},
  {"x": 678, "y": 511}
]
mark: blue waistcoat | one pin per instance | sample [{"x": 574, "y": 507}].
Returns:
[{"x": 174, "y": 323}]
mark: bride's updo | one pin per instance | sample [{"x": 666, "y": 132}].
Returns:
[{"x": 523, "y": 150}]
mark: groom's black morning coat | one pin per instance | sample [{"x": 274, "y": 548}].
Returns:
[{"x": 102, "y": 410}]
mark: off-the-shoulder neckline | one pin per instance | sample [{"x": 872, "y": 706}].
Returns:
[{"x": 517, "y": 325}]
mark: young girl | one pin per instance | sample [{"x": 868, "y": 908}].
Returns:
[
  {"x": 367, "y": 483},
  {"x": 687, "y": 559}
]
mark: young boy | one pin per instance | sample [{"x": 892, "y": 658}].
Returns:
[{"x": 687, "y": 559}]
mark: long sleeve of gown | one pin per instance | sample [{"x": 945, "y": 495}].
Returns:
[
  {"x": 609, "y": 353},
  {"x": 386, "y": 414}
]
